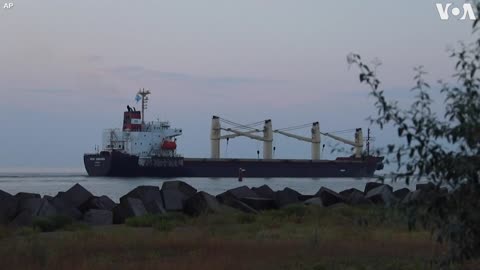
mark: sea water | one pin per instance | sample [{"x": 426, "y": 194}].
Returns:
[{"x": 50, "y": 183}]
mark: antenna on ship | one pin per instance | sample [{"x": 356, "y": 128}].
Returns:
[
  {"x": 144, "y": 94},
  {"x": 368, "y": 142}
]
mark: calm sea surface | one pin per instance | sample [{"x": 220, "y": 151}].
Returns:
[{"x": 49, "y": 183}]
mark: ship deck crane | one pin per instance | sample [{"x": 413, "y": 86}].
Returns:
[
  {"x": 234, "y": 135},
  {"x": 357, "y": 144},
  {"x": 238, "y": 133},
  {"x": 215, "y": 135},
  {"x": 267, "y": 138},
  {"x": 315, "y": 139}
]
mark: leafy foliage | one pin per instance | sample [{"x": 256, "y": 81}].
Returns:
[{"x": 444, "y": 149}]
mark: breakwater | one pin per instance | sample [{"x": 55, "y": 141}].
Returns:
[{"x": 79, "y": 204}]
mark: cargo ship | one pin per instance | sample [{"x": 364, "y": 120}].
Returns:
[{"x": 149, "y": 149}]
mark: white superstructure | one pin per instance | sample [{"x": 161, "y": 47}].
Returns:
[
  {"x": 140, "y": 138},
  {"x": 147, "y": 142}
]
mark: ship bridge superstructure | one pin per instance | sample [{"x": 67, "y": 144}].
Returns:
[{"x": 140, "y": 138}]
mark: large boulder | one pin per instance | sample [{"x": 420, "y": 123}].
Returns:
[
  {"x": 75, "y": 196},
  {"x": 259, "y": 204},
  {"x": 426, "y": 187},
  {"x": 27, "y": 195},
  {"x": 443, "y": 191},
  {"x": 264, "y": 191},
  {"x": 371, "y": 185},
  {"x": 239, "y": 205},
  {"x": 48, "y": 197},
  {"x": 128, "y": 207},
  {"x": 401, "y": 193},
  {"x": 155, "y": 207},
  {"x": 151, "y": 197},
  {"x": 99, "y": 203},
  {"x": 180, "y": 186},
  {"x": 414, "y": 197},
  {"x": 201, "y": 203},
  {"x": 314, "y": 201},
  {"x": 356, "y": 197},
  {"x": 345, "y": 193},
  {"x": 65, "y": 209},
  {"x": 173, "y": 199},
  {"x": 426, "y": 195},
  {"x": 304, "y": 197},
  {"x": 285, "y": 197},
  {"x": 329, "y": 197},
  {"x": 32, "y": 208},
  {"x": 382, "y": 195},
  {"x": 237, "y": 193},
  {"x": 36, "y": 206},
  {"x": 8, "y": 207},
  {"x": 98, "y": 217}
]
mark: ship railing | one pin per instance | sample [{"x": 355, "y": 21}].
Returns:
[
  {"x": 111, "y": 129},
  {"x": 160, "y": 154}
]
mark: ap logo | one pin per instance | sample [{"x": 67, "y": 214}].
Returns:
[
  {"x": 444, "y": 11},
  {"x": 7, "y": 5}
]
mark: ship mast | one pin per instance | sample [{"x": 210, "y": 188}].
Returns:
[
  {"x": 144, "y": 94},
  {"x": 368, "y": 142}
]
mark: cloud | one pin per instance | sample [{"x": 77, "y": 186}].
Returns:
[
  {"x": 47, "y": 90},
  {"x": 94, "y": 58},
  {"x": 142, "y": 73}
]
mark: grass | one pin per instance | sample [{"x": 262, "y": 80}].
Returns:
[
  {"x": 296, "y": 237},
  {"x": 51, "y": 224},
  {"x": 5, "y": 232},
  {"x": 159, "y": 222},
  {"x": 246, "y": 218}
]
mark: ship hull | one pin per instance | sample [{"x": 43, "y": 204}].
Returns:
[{"x": 124, "y": 165}]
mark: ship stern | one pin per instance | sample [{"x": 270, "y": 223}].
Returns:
[{"x": 98, "y": 164}]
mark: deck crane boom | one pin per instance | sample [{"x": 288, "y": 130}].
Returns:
[
  {"x": 215, "y": 136},
  {"x": 267, "y": 138},
  {"x": 242, "y": 133},
  {"x": 357, "y": 144},
  {"x": 231, "y": 136},
  {"x": 315, "y": 139}
]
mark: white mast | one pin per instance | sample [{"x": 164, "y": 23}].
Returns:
[
  {"x": 267, "y": 139},
  {"x": 316, "y": 141},
  {"x": 215, "y": 138},
  {"x": 144, "y": 94},
  {"x": 358, "y": 142}
]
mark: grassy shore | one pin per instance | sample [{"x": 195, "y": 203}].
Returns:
[{"x": 297, "y": 237}]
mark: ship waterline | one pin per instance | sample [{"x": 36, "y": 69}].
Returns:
[{"x": 120, "y": 164}]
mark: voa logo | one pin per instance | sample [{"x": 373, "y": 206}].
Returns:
[{"x": 445, "y": 10}]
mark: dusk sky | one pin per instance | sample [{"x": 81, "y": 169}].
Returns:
[{"x": 68, "y": 69}]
